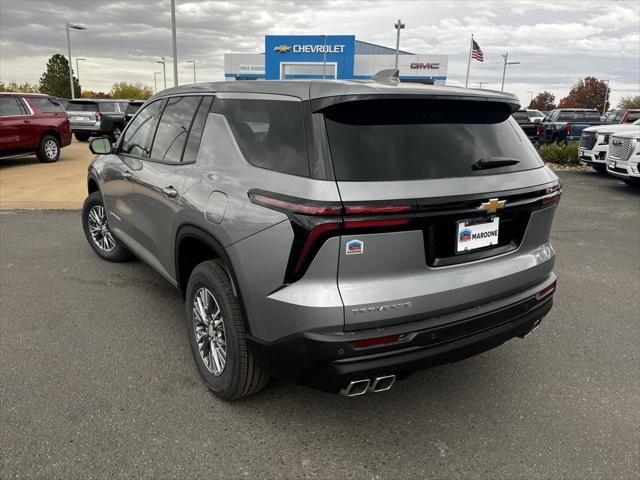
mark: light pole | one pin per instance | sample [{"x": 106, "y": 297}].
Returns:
[
  {"x": 75, "y": 27},
  {"x": 164, "y": 70},
  {"x": 78, "y": 67},
  {"x": 481, "y": 83},
  {"x": 530, "y": 96},
  {"x": 194, "y": 69},
  {"x": 399, "y": 26},
  {"x": 155, "y": 83},
  {"x": 606, "y": 96},
  {"x": 504, "y": 70},
  {"x": 173, "y": 44}
]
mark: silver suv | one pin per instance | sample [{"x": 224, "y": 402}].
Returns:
[{"x": 337, "y": 234}]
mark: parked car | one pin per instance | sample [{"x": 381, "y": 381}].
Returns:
[
  {"x": 32, "y": 123},
  {"x": 530, "y": 128},
  {"x": 594, "y": 143},
  {"x": 91, "y": 117},
  {"x": 339, "y": 268},
  {"x": 535, "y": 115},
  {"x": 566, "y": 124},
  {"x": 623, "y": 156},
  {"x": 623, "y": 116},
  {"x": 131, "y": 108}
]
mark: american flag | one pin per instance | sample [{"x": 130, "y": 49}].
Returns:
[{"x": 476, "y": 53}]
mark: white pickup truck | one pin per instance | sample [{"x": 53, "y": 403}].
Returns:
[
  {"x": 623, "y": 156},
  {"x": 594, "y": 143}
]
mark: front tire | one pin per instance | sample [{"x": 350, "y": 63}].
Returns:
[
  {"x": 49, "y": 149},
  {"x": 217, "y": 337},
  {"x": 97, "y": 232}
]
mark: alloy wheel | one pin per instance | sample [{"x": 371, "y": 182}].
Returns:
[
  {"x": 50, "y": 149},
  {"x": 99, "y": 229},
  {"x": 209, "y": 329}
]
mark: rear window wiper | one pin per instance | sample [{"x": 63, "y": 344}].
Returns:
[{"x": 494, "y": 162}]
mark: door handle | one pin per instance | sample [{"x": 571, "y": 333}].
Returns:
[
  {"x": 27, "y": 121},
  {"x": 126, "y": 175},
  {"x": 169, "y": 192}
]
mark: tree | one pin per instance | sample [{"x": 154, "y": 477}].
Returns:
[
  {"x": 587, "y": 93},
  {"x": 544, "y": 101},
  {"x": 55, "y": 79},
  {"x": 133, "y": 91},
  {"x": 629, "y": 101},
  {"x": 92, "y": 94},
  {"x": 14, "y": 86}
]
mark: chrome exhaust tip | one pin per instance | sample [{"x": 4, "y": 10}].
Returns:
[
  {"x": 356, "y": 388},
  {"x": 382, "y": 384}
]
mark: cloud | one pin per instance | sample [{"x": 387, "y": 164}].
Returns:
[{"x": 556, "y": 42}]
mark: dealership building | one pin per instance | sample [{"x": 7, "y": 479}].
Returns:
[{"x": 331, "y": 56}]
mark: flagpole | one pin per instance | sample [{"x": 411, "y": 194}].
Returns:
[{"x": 466, "y": 82}]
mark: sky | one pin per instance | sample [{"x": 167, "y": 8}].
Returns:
[{"x": 557, "y": 42}]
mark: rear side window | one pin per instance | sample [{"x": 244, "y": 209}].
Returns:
[
  {"x": 173, "y": 129},
  {"x": 270, "y": 133},
  {"x": 412, "y": 139},
  {"x": 10, "y": 106},
  {"x": 135, "y": 137},
  {"x": 82, "y": 107},
  {"x": 47, "y": 105},
  {"x": 195, "y": 134},
  {"x": 632, "y": 117}
]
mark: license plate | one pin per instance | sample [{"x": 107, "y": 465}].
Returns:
[
  {"x": 79, "y": 119},
  {"x": 474, "y": 234}
]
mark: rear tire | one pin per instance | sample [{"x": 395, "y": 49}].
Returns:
[
  {"x": 599, "y": 168},
  {"x": 230, "y": 373},
  {"x": 96, "y": 230},
  {"x": 49, "y": 149},
  {"x": 82, "y": 137}
]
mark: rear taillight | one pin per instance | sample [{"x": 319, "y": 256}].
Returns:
[
  {"x": 567, "y": 130},
  {"x": 552, "y": 193},
  {"x": 538, "y": 130},
  {"x": 377, "y": 341},
  {"x": 313, "y": 222}
]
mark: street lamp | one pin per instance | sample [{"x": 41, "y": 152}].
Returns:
[
  {"x": 75, "y": 27},
  {"x": 164, "y": 70},
  {"x": 606, "y": 96},
  {"x": 173, "y": 44},
  {"x": 504, "y": 70},
  {"x": 399, "y": 26},
  {"x": 155, "y": 83},
  {"x": 531, "y": 96},
  {"x": 78, "y": 67},
  {"x": 194, "y": 69}
]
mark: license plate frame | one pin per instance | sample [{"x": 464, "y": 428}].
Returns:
[{"x": 477, "y": 234}]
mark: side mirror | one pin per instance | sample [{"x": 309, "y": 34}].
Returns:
[{"x": 101, "y": 146}]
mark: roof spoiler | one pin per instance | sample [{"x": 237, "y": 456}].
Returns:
[{"x": 390, "y": 76}]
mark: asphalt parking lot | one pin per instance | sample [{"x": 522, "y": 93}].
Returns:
[{"x": 97, "y": 380}]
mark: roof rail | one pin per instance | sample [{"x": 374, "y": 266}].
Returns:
[{"x": 390, "y": 76}]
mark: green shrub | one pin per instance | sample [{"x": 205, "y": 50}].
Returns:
[{"x": 560, "y": 153}]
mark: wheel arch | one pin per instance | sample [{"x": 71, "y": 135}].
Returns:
[
  {"x": 92, "y": 184},
  {"x": 53, "y": 133}
]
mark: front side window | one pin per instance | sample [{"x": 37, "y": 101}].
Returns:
[
  {"x": 47, "y": 105},
  {"x": 9, "y": 106},
  {"x": 415, "y": 139},
  {"x": 270, "y": 133},
  {"x": 173, "y": 129},
  {"x": 134, "y": 140}
]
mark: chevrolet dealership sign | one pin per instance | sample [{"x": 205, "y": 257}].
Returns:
[{"x": 309, "y": 48}]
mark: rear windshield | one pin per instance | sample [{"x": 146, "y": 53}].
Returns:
[
  {"x": 578, "y": 116},
  {"x": 410, "y": 139},
  {"x": 132, "y": 108},
  {"x": 520, "y": 116},
  {"x": 82, "y": 107}
]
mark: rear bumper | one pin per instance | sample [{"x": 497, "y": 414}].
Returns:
[{"x": 329, "y": 361}]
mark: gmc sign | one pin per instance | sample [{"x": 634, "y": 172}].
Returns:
[{"x": 417, "y": 65}]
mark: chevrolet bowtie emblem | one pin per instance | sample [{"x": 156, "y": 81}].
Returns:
[
  {"x": 282, "y": 48},
  {"x": 492, "y": 205}
]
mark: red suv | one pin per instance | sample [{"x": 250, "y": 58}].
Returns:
[{"x": 32, "y": 123}]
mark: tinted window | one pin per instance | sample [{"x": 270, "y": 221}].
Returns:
[
  {"x": 132, "y": 108},
  {"x": 611, "y": 118},
  {"x": 520, "y": 116},
  {"x": 10, "y": 106},
  {"x": 135, "y": 137},
  {"x": 82, "y": 107},
  {"x": 418, "y": 139},
  {"x": 633, "y": 116},
  {"x": 47, "y": 105},
  {"x": 270, "y": 133},
  {"x": 578, "y": 116},
  {"x": 107, "y": 107},
  {"x": 173, "y": 128},
  {"x": 195, "y": 135}
]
